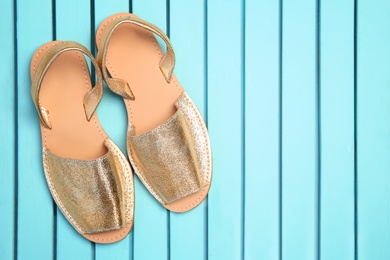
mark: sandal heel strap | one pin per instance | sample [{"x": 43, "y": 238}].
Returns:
[
  {"x": 167, "y": 62},
  {"x": 91, "y": 100}
]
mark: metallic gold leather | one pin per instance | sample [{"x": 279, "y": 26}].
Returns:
[
  {"x": 46, "y": 116},
  {"x": 120, "y": 87},
  {"x": 197, "y": 135},
  {"x": 174, "y": 159},
  {"x": 91, "y": 101},
  {"x": 125, "y": 178},
  {"x": 95, "y": 195},
  {"x": 167, "y": 62}
]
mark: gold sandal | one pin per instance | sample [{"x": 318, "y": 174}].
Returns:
[
  {"x": 88, "y": 176},
  {"x": 167, "y": 140}
]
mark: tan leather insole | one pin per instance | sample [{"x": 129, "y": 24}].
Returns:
[
  {"x": 63, "y": 89},
  {"x": 134, "y": 55},
  {"x": 62, "y": 92}
]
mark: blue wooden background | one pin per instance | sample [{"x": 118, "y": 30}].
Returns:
[{"x": 296, "y": 95}]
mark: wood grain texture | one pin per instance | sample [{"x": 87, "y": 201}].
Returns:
[
  {"x": 337, "y": 232},
  {"x": 299, "y": 133},
  {"x": 113, "y": 117},
  {"x": 35, "y": 236},
  {"x": 112, "y": 112},
  {"x": 151, "y": 234},
  {"x": 7, "y": 130},
  {"x": 225, "y": 118},
  {"x": 69, "y": 244},
  {"x": 373, "y": 128},
  {"x": 299, "y": 122},
  {"x": 262, "y": 129},
  {"x": 188, "y": 231}
]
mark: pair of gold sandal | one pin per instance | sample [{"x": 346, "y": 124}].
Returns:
[{"x": 168, "y": 146}]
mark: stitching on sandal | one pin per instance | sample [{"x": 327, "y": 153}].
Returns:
[
  {"x": 45, "y": 163},
  {"x": 174, "y": 79},
  {"x": 82, "y": 62},
  {"x": 148, "y": 186}
]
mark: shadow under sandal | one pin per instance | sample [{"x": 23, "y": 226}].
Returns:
[
  {"x": 167, "y": 140},
  {"x": 88, "y": 176}
]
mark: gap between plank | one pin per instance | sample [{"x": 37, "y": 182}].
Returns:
[
  {"x": 319, "y": 133},
  {"x": 280, "y": 129},
  {"x": 206, "y": 100},
  {"x": 355, "y": 130},
  {"x": 16, "y": 142},
  {"x": 54, "y": 209}
]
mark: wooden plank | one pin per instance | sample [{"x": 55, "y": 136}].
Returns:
[
  {"x": 112, "y": 115},
  {"x": 35, "y": 206},
  {"x": 373, "y": 128},
  {"x": 151, "y": 219},
  {"x": 7, "y": 131},
  {"x": 111, "y": 111},
  {"x": 262, "y": 129},
  {"x": 70, "y": 245},
  {"x": 225, "y": 118},
  {"x": 299, "y": 134},
  {"x": 188, "y": 235},
  {"x": 337, "y": 143}
]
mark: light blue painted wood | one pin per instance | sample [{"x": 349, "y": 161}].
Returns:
[
  {"x": 299, "y": 151},
  {"x": 187, "y": 32},
  {"x": 225, "y": 117},
  {"x": 70, "y": 245},
  {"x": 111, "y": 111},
  {"x": 76, "y": 28},
  {"x": 262, "y": 108},
  {"x": 112, "y": 114},
  {"x": 7, "y": 130},
  {"x": 151, "y": 219},
  {"x": 35, "y": 205},
  {"x": 118, "y": 250},
  {"x": 373, "y": 129},
  {"x": 229, "y": 227},
  {"x": 337, "y": 129}
]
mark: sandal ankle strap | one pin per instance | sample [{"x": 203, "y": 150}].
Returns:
[
  {"x": 91, "y": 100},
  {"x": 167, "y": 62}
]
